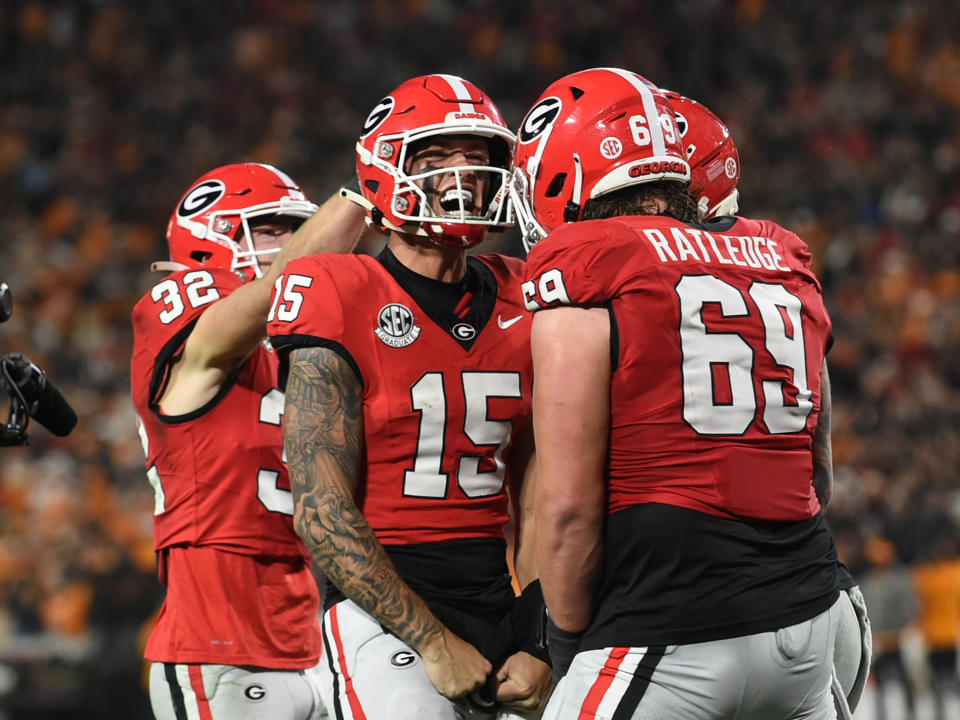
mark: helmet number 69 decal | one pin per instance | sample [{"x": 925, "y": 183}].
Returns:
[{"x": 641, "y": 130}]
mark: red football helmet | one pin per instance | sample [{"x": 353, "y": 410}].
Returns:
[
  {"x": 425, "y": 107},
  {"x": 210, "y": 226},
  {"x": 712, "y": 154},
  {"x": 589, "y": 134}
]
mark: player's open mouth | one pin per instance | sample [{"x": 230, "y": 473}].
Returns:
[{"x": 452, "y": 200}]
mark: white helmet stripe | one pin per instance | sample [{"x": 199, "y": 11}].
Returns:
[
  {"x": 649, "y": 109},
  {"x": 281, "y": 174},
  {"x": 287, "y": 181},
  {"x": 460, "y": 90}
]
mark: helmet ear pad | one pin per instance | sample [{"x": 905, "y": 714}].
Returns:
[
  {"x": 422, "y": 108},
  {"x": 591, "y": 133}
]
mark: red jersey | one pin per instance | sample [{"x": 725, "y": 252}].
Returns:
[
  {"x": 445, "y": 389},
  {"x": 720, "y": 333},
  {"x": 221, "y": 484}
]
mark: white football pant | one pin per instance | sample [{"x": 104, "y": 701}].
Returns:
[
  {"x": 785, "y": 674},
  {"x": 226, "y": 692}
]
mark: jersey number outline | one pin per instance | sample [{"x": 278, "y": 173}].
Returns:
[
  {"x": 703, "y": 350},
  {"x": 428, "y": 397},
  {"x": 550, "y": 287},
  {"x": 197, "y": 286},
  {"x": 273, "y": 497},
  {"x": 287, "y": 299},
  {"x": 153, "y": 475}
]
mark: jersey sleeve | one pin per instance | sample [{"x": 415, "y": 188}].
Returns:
[
  {"x": 584, "y": 263},
  {"x": 795, "y": 251},
  {"x": 166, "y": 315},
  {"x": 308, "y": 312},
  {"x": 505, "y": 267}
]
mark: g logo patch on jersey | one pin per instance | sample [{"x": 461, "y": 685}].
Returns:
[
  {"x": 463, "y": 331},
  {"x": 541, "y": 116},
  {"x": 395, "y": 326},
  {"x": 380, "y": 113},
  {"x": 404, "y": 658},
  {"x": 200, "y": 197}
]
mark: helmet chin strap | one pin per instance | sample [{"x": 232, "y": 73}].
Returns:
[
  {"x": 356, "y": 198},
  {"x": 467, "y": 237},
  {"x": 571, "y": 213},
  {"x": 167, "y": 266}
]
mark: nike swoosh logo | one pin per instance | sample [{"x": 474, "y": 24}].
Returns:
[{"x": 504, "y": 324}]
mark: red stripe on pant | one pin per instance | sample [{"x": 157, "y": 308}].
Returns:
[
  {"x": 352, "y": 698},
  {"x": 591, "y": 703},
  {"x": 196, "y": 683}
]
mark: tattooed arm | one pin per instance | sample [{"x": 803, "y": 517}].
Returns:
[
  {"x": 323, "y": 434},
  {"x": 822, "y": 445}
]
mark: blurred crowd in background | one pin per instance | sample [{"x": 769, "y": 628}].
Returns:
[{"x": 847, "y": 117}]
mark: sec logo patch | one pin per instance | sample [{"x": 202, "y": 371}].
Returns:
[{"x": 395, "y": 326}]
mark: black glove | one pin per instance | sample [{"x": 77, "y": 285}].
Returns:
[{"x": 563, "y": 646}]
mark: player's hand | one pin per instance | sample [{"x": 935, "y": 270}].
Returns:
[
  {"x": 524, "y": 684},
  {"x": 455, "y": 666}
]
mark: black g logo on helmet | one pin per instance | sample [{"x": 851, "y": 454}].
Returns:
[
  {"x": 200, "y": 197},
  {"x": 380, "y": 113},
  {"x": 541, "y": 116}
]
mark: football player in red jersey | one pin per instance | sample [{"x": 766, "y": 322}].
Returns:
[
  {"x": 683, "y": 555},
  {"x": 238, "y": 634},
  {"x": 714, "y": 176},
  {"x": 407, "y": 423}
]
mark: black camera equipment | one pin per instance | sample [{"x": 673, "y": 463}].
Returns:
[{"x": 32, "y": 395}]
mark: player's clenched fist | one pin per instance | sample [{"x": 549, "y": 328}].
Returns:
[{"x": 455, "y": 666}]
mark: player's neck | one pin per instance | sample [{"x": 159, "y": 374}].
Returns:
[{"x": 428, "y": 259}]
